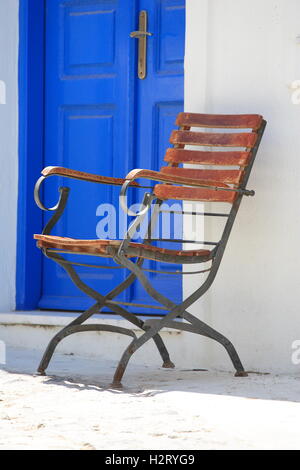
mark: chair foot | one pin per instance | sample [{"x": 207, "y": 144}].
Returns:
[
  {"x": 162, "y": 350},
  {"x": 116, "y": 385},
  {"x": 241, "y": 373},
  {"x": 168, "y": 365},
  {"x": 41, "y": 372}
]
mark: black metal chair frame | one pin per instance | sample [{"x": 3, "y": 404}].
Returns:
[{"x": 152, "y": 327}]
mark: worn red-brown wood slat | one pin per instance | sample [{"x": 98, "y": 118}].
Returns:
[
  {"x": 200, "y": 157},
  {"x": 237, "y": 139},
  {"x": 101, "y": 247},
  {"x": 166, "y": 191},
  {"x": 82, "y": 175},
  {"x": 219, "y": 176},
  {"x": 233, "y": 121}
]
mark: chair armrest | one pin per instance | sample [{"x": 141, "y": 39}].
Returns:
[
  {"x": 79, "y": 175},
  {"x": 175, "y": 179},
  {"x": 162, "y": 177},
  {"x": 82, "y": 175},
  {"x": 165, "y": 178}
]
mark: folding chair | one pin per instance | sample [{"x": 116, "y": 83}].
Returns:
[{"x": 217, "y": 185}]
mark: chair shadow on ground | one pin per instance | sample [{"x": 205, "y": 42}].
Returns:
[{"x": 147, "y": 381}]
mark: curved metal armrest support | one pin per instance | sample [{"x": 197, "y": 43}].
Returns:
[
  {"x": 123, "y": 201},
  {"x": 139, "y": 217},
  {"x": 37, "y": 196}
]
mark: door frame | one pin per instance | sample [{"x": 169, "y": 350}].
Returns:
[{"x": 31, "y": 143}]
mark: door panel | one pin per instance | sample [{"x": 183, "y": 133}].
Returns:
[
  {"x": 170, "y": 38},
  {"x": 100, "y": 118},
  {"x": 88, "y": 121}
]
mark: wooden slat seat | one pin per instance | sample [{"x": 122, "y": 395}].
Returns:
[{"x": 108, "y": 248}]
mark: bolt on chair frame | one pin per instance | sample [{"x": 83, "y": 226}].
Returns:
[{"x": 122, "y": 251}]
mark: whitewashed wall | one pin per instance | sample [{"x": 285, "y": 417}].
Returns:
[
  {"x": 241, "y": 57},
  {"x": 9, "y": 37}
]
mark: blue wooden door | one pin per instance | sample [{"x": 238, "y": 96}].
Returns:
[{"x": 100, "y": 118}]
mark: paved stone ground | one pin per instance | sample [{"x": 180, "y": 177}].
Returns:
[{"x": 74, "y": 407}]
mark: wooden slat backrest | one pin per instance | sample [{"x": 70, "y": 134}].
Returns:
[
  {"x": 229, "y": 121},
  {"x": 240, "y": 139},
  {"x": 166, "y": 191},
  {"x": 199, "y": 157},
  {"x": 219, "y": 176},
  {"x": 243, "y": 141}
]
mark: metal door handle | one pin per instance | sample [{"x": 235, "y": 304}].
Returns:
[{"x": 141, "y": 35}]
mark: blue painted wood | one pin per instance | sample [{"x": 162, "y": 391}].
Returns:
[
  {"x": 31, "y": 128},
  {"x": 159, "y": 100},
  {"x": 88, "y": 123},
  {"x": 100, "y": 118}
]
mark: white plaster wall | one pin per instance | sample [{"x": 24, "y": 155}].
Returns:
[
  {"x": 241, "y": 57},
  {"x": 8, "y": 150}
]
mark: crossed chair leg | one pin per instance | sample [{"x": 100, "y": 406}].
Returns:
[
  {"x": 151, "y": 328},
  {"x": 76, "y": 325}
]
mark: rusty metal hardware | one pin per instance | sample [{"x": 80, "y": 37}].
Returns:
[{"x": 141, "y": 35}]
